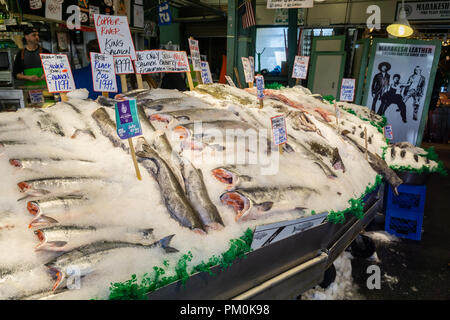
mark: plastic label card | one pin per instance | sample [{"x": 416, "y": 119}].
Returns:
[
  {"x": 347, "y": 90},
  {"x": 279, "y": 133},
  {"x": 127, "y": 119}
]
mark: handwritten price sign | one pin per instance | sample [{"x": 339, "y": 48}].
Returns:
[
  {"x": 347, "y": 90},
  {"x": 114, "y": 36},
  {"x": 247, "y": 70},
  {"x": 58, "y": 74},
  {"x": 152, "y": 61},
  {"x": 259, "y": 87},
  {"x": 103, "y": 75},
  {"x": 206, "y": 73},
  {"x": 279, "y": 133},
  {"x": 300, "y": 70},
  {"x": 195, "y": 55},
  {"x": 123, "y": 65}
]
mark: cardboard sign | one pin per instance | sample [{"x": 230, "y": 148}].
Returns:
[
  {"x": 388, "y": 134},
  {"x": 279, "y": 132},
  {"x": 152, "y": 61},
  {"x": 127, "y": 119},
  {"x": 113, "y": 34},
  {"x": 247, "y": 70},
  {"x": 259, "y": 86},
  {"x": 347, "y": 90},
  {"x": 271, "y": 233},
  {"x": 103, "y": 73},
  {"x": 164, "y": 16},
  {"x": 36, "y": 96},
  {"x": 230, "y": 81},
  {"x": 252, "y": 64},
  {"x": 206, "y": 73},
  {"x": 195, "y": 55},
  {"x": 58, "y": 74},
  {"x": 123, "y": 65},
  {"x": 300, "y": 70}
]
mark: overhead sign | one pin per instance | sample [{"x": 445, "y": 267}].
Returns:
[
  {"x": 259, "y": 87},
  {"x": 206, "y": 73},
  {"x": 152, "y": 61},
  {"x": 164, "y": 15},
  {"x": 425, "y": 10},
  {"x": 348, "y": 90},
  {"x": 123, "y": 65},
  {"x": 127, "y": 119},
  {"x": 230, "y": 81},
  {"x": 247, "y": 70},
  {"x": 279, "y": 132},
  {"x": 114, "y": 36},
  {"x": 103, "y": 72},
  {"x": 195, "y": 55},
  {"x": 58, "y": 74},
  {"x": 300, "y": 70},
  {"x": 274, "y": 232},
  {"x": 289, "y": 4}
]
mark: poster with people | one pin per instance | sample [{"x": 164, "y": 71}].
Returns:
[{"x": 398, "y": 85}]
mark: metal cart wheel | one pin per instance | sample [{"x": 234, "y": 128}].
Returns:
[{"x": 362, "y": 247}]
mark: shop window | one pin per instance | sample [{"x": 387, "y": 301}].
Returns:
[{"x": 274, "y": 42}]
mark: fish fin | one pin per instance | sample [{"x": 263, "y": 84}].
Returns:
[
  {"x": 164, "y": 243},
  {"x": 43, "y": 219},
  {"x": 183, "y": 118},
  {"x": 56, "y": 244},
  {"x": 264, "y": 206}
]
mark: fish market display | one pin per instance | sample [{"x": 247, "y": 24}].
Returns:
[{"x": 74, "y": 217}]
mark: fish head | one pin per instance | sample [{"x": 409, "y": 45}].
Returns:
[
  {"x": 41, "y": 221},
  {"x": 181, "y": 132},
  {"x": 24, "y": 186},
  {"x": 224, "y": 176},
  {"x": 16, "y": 163},
  {"x": 33, "y": 208},
  {"x": 240, "y": 203},
  {"x": 59, "y": 275},
  {"x": 161, "y": 117},
  {"x": 192, "y": 145},
  {"x": 44, "y": 244}
]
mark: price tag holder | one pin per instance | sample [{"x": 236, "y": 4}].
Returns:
[
  {"x": 347, "y": 90},
  {"x": 103, "y": 72},
  {"x": 58, "y": 73},
  {"x": 388, "y": 134},
  {"x": 36, "y": 96},
  {"x": 279, "y": 132}
]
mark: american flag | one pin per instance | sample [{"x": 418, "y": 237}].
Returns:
[{"x": 248, "y": 18}]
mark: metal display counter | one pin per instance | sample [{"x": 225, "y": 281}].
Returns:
[{"x": 281, "y": 270}]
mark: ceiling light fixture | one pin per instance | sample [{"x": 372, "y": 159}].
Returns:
[{"x": 400, "y": 28}]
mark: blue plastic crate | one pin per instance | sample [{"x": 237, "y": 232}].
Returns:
[
  {"x": 411, "y": 197},
  {"x": 404, "y": 223}
]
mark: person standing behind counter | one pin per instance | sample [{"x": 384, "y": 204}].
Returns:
[
  {"x": 83, "y": 76},
  {"x": 27, "y": 63}
]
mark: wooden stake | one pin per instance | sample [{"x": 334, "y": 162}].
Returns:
[
  {"x": 191, "y": 83},
  {"x": 250, "y": 84},
  {"x": 105, "y": 94},
  {"x": 139, "y": 81},
  {"x": 280, "y": 148},
  {"x": 297, "y": 81},
  {"x": 133, "y": 155},
  {"x": 261, "y": 103},
  {"x": 123, "y": 82},
  {"x": 199, "y": 77},
  {"x": 237, "y": 77},
  {"x": 365, "y": 138},
  {"x": 63, "y": 96}
]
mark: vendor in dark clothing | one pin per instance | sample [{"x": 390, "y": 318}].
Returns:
[{"x": 27, "y": 64}]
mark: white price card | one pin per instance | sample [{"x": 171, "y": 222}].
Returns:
[
  {"x": 195, "y": 55},
  {"x": 347, "y": 90},
  {"x": 279, "y": 132},
  {"x": 103, "y": 72},
  {"x": 300, "y": 70},
  {"x": 123, "y": 65},
  {"x": 152, "y": 61},
  {"x": 114, "y": 36},
  {"x": 247, "y": 70},
  {"x": 230, "y": 81},
  {"x": 206, "y": 73},
  {"x": 58, "y": 74}
]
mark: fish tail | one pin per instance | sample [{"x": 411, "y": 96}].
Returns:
[{"x": 164, "y": 243}]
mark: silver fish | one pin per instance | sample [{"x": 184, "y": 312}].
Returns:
[
  {"x": 5, "y": 143},
  {"x": 48, "y": 123},
  {"x": 108, "y": 127},
  {"x": 57, "y": 205},
  {"x": 86, "y": 258},
  {"x": 48, "y": 185},
  {"x": 68, "y": 237},
  {"x": 251, "y": 203},
  {"x": 87, "y": 130},
  {"x": 195, "y": 114},
  {"x": 28, "y": 163},
  {"x": 232, "y": 175},
  {"x": 173, "y": 195}
]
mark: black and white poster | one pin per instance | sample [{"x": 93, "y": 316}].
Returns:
[{"x": 398, "y": 85}]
